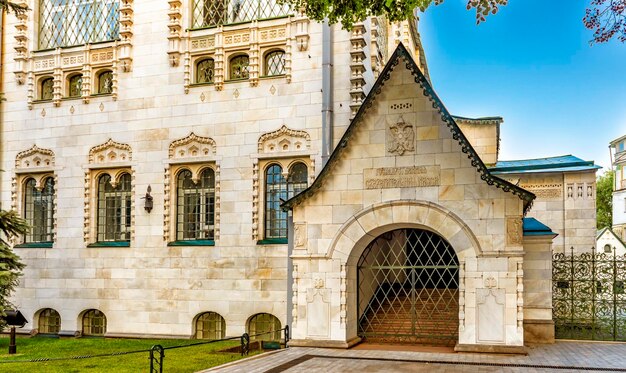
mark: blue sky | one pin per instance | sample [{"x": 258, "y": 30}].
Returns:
[{"x": 532, "y": 64}]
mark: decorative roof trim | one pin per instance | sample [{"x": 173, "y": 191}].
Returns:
[
  {"x": 612, "y": 232},
  {"x": 457, "y": 134},
  {"x": 485, "y": 120}
]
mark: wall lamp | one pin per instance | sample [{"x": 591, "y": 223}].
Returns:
[{"x": 149, "y": 201}]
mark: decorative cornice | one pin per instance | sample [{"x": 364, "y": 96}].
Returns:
[
  {"x": 402, "y": 53},
  {"x": 283, "y": 131},
  {"x": 191, "y": 139},
  {"x": 110, "y": 144},
  {"x": 47, "y": 157}
]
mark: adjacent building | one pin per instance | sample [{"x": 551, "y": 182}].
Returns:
[{"x": 618, "y": 153}]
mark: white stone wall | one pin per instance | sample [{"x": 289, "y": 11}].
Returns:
[{"x": 607, "y": 238}]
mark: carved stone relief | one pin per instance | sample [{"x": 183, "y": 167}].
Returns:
[
  {"x": 401, "y": 138},
  {"x": 300, "y": 234},
  {"x": 318, "y": 310},
  {"x": 34, "y": 158},
  {"x": 284, "y": 140},
  {"x": 110, "y": 152},
  {"x": 545, "y": 191},
  {"x": 401, "y": 177},
  {"x": 490, "y": 307},
  {"x": 514, "y": 231},
  {"x": 192, "y": 146}
]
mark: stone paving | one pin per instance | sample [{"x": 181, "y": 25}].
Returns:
[{"x": 559, "y": 357}]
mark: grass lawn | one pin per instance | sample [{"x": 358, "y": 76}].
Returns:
[{"x": 188, "y": 359}]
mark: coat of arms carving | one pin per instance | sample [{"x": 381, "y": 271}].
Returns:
[{"x": 402, "y": 137}]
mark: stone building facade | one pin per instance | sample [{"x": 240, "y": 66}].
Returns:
[
  {"x": 194, "y": 170},
  {"x": 618, "y": 152}
]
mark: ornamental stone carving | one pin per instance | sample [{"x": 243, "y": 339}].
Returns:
[
  {"x": 110, "y": 152},
  {"x": 34, "y": 158},
  {"x": 284, "y": 140},
  {"x": 299, "y": 234},
  {"x": 192, "y": 146},
  {"x": 514, "y": 231},
  {"x": 401, "y": 138}
]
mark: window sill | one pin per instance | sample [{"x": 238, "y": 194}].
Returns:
[
  {"x": 34, "y": 245},
  {"x": 272, "y": 241},
  {"x": 192, "y": 243},
  {"x": 101, "y": 94},
  {"x": 236, "y": 80},
  {"x": 110, "y": 244},
  {"x": 265, "y": 77},
  {"x": 42, "y": 101},
  {"x": 201, "y": 84},
  {"x": 70, "y": 98}
]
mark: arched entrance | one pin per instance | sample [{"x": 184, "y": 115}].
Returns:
[{"x": 408, "y": 289}]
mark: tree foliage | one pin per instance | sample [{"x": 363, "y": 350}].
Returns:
[
  {"x": 607, "y": 18},
  {"x": 11, "y": 267},
  {"x": 604, "y": 199},
  {"x": 10, "y": 6}
]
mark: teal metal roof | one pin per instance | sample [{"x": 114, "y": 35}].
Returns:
[
  {"x": 533, "y": 227},
  {"x": 563, "y": 163}
]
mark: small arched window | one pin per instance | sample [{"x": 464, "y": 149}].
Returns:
[
  {"x": 196, "y": 206},
  {"x": 105, "y": 82},
  {"x": 94, "y": 323},
  {"x": 114, "y": 208},
  {"x": 275, "y": 63},
  {"x": 39, "y": 210},
  {"x": 264, "y": 327},
  {"x": 205, "y": 70},
  {"x": 75, "y": 83},
  {"x": 297, "y": 180},
  {"x": 210, "y": 325},
  {"x": 46, "y": 89},
  {"x": 49, "y": 321},
  {"x": 275, "y": 191},
  {"x": 239, "y": 67}
]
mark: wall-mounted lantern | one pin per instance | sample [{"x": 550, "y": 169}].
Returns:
[{"x": 149, "y": 203}]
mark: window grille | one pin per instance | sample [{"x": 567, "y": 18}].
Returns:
[
  {"x": 207, "y": 13},
  {"x": 275, "y": 63},
  {"x": 47, "y": 89},
  {"x": 239, "y": 67},
  {"x": 196, "y": 206},
  {"x": 114, "y": 209},
  {"x": 64, "y": 23},
  {"x": 105, "y": 82},
  {"x": 210, "y": 325},
  {"x": 75, "y": 85},
  {"x": 265, "y": 323},
  {"x": 39, "y": 210},
  {"x": 204, "y": 71},
  {"x": 49, "y": 321},
  {"x": 94, "y": 323},
  {"x": 278, "y": 190}
]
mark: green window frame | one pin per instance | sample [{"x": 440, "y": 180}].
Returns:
[
  {"x": 264, "y": 327},
  {"x": 46, "y": 86},
  {"x": 105, "y": 82},
  {"x": 114, "y": 209},
  {"x": 75, "y": 85},
  {"x": 277, "y": 190},
  {"x": 94, "y": 323},
  {"x": 195, "y": 213},
  {"x": 210, "y": 325},
  {"x": 38, "y": 210},
  {"x": 65, "y": 23},
  {"x": 275, "y": 63},
  {"x": 205, "y": 71},
  {"x": 239, "y": 67},
  {"x": 49, "y": 321}
]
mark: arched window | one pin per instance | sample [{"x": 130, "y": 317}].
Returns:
[
  {"x": 264, "y": 327},
  {"x": 275, "y": 190},
  {"x": 114, "y": 208},
  {"x": 47, "y": 89},
  {"x": 39, "y": 210},
  {"x": 105, "y": 82},
  {"x": 239, "y": 67},
  {"x": 94, "y": 323},
  {"x": 205, "y": 70},
  {"x": 75, "y": 85},
  {"x": 49, "y": 321},
  {"x": 196, "y": 206},
  {"x": 297, "y": 180},
  {"x": 210, "y": 325},
  {"x": 275, "y": 63}
]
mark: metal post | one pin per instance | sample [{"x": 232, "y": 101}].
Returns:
[
  {"x": 286, "y": 334},
  {"x": 614, "y": 295},
  {"x": 571, "y": 292},
  {"x": 245, "y": 344},
  {"x": 12, "y": 346},
  {"x": 158, "y": 359}
]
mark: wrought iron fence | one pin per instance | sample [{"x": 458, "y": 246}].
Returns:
[{"x": 589, "y": 298}]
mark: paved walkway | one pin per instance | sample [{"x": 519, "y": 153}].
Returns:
[{"x": 559, "y": 357}]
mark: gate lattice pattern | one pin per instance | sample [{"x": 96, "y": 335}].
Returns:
[
  {"x": 589, "y": 301},
  {"x": 408, "y": 289}
]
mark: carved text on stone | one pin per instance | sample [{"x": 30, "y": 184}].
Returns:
[{"x": 401, "y": 177}]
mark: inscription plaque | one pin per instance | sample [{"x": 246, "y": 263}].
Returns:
[{"x": 401, "y": 177}]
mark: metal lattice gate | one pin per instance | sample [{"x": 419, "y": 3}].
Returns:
[
  {"x": 589, "y": 301},
  {"x": 408, "y": 289}
]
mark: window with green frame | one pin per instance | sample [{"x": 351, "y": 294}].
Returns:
[
  {"x": 275, "y": 63},
  {"x": 239, "y": 67},
  {"x": 277, "y": 190},
  {"x": 38, "y": 210},
  {"x": 94, "y": 323},
  {"x": 114, "y": 208},
  {"x": 195, "y": 214},
  {"x": 264, "y": 327},
  {"x": 105, "y": 82},
  {"x": 75, "y": 87},
  {"x": 210, "y": 325},
  {"x": 205, "y": 70},
  {"x": 49, "y": 322},
  {"x": 46, "y": 91},
  {"x": 208, "y": 13}
]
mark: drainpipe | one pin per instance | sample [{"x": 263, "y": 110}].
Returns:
[
  {"x": 327, "y": 92},
  {"x": 290, "y": 270}
]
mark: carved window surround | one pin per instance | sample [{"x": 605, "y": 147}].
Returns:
[
  {"x": 194, "y": 153},
  {"x": 284, "y": 147},
  {"x": 61, "y": 63},
  {"x": 39, "y": 164},
  {"x": 222, "y": 42},
  {"x": 114, "y": 159}
]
